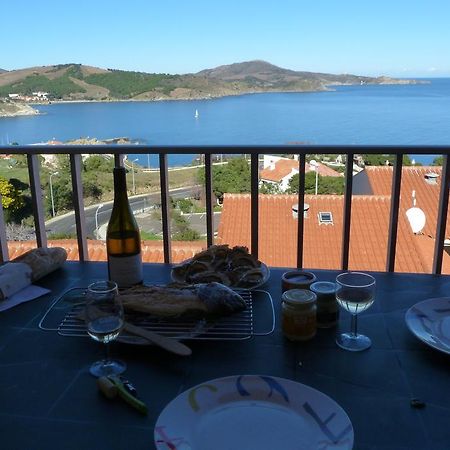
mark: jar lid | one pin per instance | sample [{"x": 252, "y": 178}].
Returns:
[
  {"x": 298, "y": 277},
  {"x": 299, "y": 297},
  {"x": 323, "y": 287}
]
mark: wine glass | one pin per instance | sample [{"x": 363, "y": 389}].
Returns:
[
  {"x": 104, "y": 320},
  {"x": 355, "y": 292}
]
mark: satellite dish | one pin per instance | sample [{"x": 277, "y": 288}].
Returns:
[{"x": 416, "y": 218}]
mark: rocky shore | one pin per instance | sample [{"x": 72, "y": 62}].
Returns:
[{"x": 9, "y": 109}]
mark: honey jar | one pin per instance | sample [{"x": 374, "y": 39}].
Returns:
[
  {"x": 327, "y": 306},
  {"x": 297, "y": 279},
  {"x": 298, "y": 314}
]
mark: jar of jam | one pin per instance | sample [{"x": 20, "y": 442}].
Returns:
[
  {"x": 298, "y": 314},
  {"x": 297, "y": 279},
  {"x": 327, "y": 306}
]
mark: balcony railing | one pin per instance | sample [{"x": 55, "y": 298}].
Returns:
[{"x": 75, "y": 152}]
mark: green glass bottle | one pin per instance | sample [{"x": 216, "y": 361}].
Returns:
[{"x": 123, "y": 240}]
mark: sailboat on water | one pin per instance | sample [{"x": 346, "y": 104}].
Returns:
[{"x": 196, "y": 114}]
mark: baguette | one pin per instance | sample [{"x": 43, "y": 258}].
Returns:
[{"x": 42, "y": 261}]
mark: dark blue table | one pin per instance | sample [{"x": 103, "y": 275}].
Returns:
[{"x": 48, "y": 400}]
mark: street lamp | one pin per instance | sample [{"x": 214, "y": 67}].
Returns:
[
  {"x": 96, "y": 218},
  {"x": 315, "y": 166},
  {"x": 132, "y": 171},
  {"x": 51, "y": 193}
]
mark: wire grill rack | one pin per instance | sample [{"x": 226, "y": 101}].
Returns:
[{"x": 258, "y": 319}]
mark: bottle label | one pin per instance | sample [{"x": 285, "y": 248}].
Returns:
[{"x": 125, "y": 270}]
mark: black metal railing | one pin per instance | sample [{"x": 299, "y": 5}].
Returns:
[{"x": 75, "y": 153}]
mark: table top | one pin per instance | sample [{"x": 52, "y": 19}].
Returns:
[{"x": 48, "y": 399}]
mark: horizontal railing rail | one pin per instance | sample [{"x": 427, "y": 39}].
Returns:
[{"x": 75, "y": 152}]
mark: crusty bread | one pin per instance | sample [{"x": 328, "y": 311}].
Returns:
[
  {"x": 42, "y": 260},
  {"x": 201, "y": 300}
]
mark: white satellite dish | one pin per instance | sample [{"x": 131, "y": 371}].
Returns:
[{"x": 416, "y": 218}]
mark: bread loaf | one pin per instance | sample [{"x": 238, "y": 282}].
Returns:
[{"x": 42, "y": 260}]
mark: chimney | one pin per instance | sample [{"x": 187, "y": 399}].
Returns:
[
  {"x": 272, "y": 164},
  {"x": 431, "y": 177},
  {"x": 295, "y": 210}
]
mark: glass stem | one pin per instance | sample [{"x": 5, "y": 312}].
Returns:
[
  {"x": 107, "y": 352},
  {"x": 354, "y": 325}
]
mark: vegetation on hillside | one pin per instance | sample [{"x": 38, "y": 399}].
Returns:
[
  {"x": 57, "y": 88},
  {"x": 246, "y": 77},
  {"x": 122, "y": 84}
]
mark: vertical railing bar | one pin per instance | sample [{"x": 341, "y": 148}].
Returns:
[
  {"x": 76, "y": 165},
  {"x": 118, "y": 160},
  {"x": 254, "y": 199},
  {"x": 36, "y": 199},
  {"x": 393, "y": 220},
  {"x": 165, "y": 207},
  {"x": 301, "y": 209},
  {"x": 4, "y": 253},
  {"x": 347, "y": 211},
  {"x": 442, "y": 217},
  {"x": 209, "y": 204}
]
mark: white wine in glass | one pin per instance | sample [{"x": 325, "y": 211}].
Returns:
[
  {"x": 355, "y": 292},
  {"x": 104, "y": 321}
]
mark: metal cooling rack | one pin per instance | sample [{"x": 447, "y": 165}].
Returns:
[{"x": 258, "y": 319}]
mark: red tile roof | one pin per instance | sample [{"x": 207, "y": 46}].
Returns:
[
  {"x": 322, "y": 243},
  {"x": 284, "y": 167},
  {"x": 152, "y": 251}
]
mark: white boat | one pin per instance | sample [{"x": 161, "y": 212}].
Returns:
[{"x": 196, "y": 114}]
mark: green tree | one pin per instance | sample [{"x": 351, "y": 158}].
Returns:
[
  {"x": 325, "y": 185},
  {"x": 181, "y": 228},
  {"x": 233, "y": 177},
  {"x": 438, "y": 161},
  {"x": 12, "y": 198},
  {"x": 98, "y": 163},
  {"x": 380, "y": 160},
  {"x": 62, "y": 194},
  {"x": 270, "y": 188}
]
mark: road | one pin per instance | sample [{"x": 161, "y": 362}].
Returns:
[{"x": 65, "y": 224}]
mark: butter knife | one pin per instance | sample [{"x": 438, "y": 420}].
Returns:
[{"x": 169, "y": 344}]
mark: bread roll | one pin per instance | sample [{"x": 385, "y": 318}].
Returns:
[{"x": 42, "y": 260}]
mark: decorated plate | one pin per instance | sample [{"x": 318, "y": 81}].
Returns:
[
  {"x": 430, "y": 322},
  {"x": 253, "y": 412}
]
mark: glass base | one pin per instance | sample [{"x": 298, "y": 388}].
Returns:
[
  {"x": 353, "y": 343},
  {"x": 104, "y": 368}
]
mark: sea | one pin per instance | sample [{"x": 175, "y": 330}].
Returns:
[{"x": 364, "y": 115}]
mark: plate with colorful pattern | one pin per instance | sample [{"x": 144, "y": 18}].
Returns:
[
  {"x": 430, "y": 322},
  {"x": 253, "y": 412}
]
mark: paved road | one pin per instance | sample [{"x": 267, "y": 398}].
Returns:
[{"x": 66, "y": 223}]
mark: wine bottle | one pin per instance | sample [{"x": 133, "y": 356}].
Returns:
[{"x": 123, "y": 241}]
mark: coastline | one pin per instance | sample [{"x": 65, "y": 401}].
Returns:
[{"x": 324, "y": 88}]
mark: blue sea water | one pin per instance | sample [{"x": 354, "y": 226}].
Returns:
[{"x": 369, "y": 114}]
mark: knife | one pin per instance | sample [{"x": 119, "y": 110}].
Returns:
[{"x": 169, "y": 344}]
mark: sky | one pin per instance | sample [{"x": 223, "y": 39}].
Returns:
[{"x": 387, "y": 37}]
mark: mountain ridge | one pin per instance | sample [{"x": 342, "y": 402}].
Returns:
[{"x": 70, "y": 82}]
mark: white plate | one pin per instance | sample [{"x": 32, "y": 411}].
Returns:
[
  {"x": 264, "y": 269},
  {"x": 253, "y": 412},
  {"x": 430, "y": 322}
]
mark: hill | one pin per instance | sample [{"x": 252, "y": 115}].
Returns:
[
  {"x": 80, "y": 82},
  {"x": 2, "y": 70}
]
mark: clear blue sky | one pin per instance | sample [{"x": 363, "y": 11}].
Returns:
[{"x": 392, "y": 37}]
